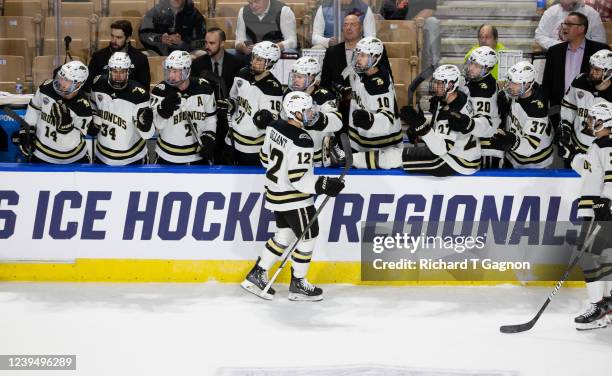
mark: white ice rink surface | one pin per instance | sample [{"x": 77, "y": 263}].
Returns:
[{"x": 204, "y": 329}]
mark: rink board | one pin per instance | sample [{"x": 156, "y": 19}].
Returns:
[{"x": 94, "y": 223}]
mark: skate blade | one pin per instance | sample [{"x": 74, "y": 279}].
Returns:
[
  {"x": 294, "y": 297},
  {"x": 253, "y": 289},
  {"x": 598, "y": 324}
]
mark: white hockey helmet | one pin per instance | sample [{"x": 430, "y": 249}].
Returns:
[
  {"x": 119, "y": 66},
  {"x": 177, "y": 60},
  {"x": 299, "y": 102},
  {"x": 370, "y": 47},
  {"x": 599, "y": 117},
  {"x": 442, "y": 78},
  {"x": 480, "y": 63},
  {"x": 304, "y": 73},
  {"x": 70, "y": 77},
  {"x": 263, "y": 57},
  {"x": 600, "y": 60},
  {"x": 521, "y": 77}
]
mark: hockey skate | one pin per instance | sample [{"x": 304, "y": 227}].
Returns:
[
  {"x": 608, "y": 301},
  {"x": 593, "y": 318},
  {"x": 300, "y": 290},
  {"x": 256, "y": 281}
]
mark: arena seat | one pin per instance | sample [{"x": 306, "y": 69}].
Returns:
[
  {"x": 43, "y": 68},
  {"x": 11, "y": 68},
  {"x": 127, "y": 8},
  {"x": 156, "y": 68},
  {"x": 22, "y": 8},
  {"x": 401, "y": 94},
  {"x": 103, "y": 31},
  {"x": 227, "y": 24},
  {"x": 29, "y": 28},
  {"x": 18, "y": 47},
  {"x": 78, "y": 28},
  {"x": 401, "y": 70},
  {"x": 608, "y": 27}
]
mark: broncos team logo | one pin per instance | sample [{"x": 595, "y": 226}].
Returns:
[
  {"x": 379, "y": 81},
  {"x": 139, "y": 90}
]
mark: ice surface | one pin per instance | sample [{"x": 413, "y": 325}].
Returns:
[{"x": 218, "y": 329}]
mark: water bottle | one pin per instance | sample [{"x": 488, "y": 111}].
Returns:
[
  {"x": 18, "y": 86},
  {"x": 540, "y": 6}
]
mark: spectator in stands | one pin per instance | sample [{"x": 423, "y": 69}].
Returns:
[
  {"x": 603, "y": 7},
  {"x": 550, "y": 29},
  {"x": 269, "y": 20},
  {"x": 487, "y": 36},
  {"x": 566, "y": 60},
  {"x": 219, "y": 62},
  {"x": 172, "y": 25},
  {"x": 411, "y": 10},
  {"x": 120, "y": 34},
  {"x": 323, "y": 24},
  {"x": 334, "y": 73}
]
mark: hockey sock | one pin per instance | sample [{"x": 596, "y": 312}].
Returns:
[
  {"x": 596, "y": 290},
  {"x": 301, "y": 258}
]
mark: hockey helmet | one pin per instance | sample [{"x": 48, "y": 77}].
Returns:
[
  {"x": 70, "y": 77},
  {"x": 299, "y": 102},
  {"x": 367, "y": 54},
  {"x": 600, "y": 61},
  {"x": 177, "y": 61},
  {"x": 480, "y": 63},
  {"x": 445, "y": 80},
  {"x": 599, "y": 117},
  {"x": 119, "y": 66},
  {"x": 265, "y": 54},
  {"x": 521, "y": 77},
  {"x": 304, "y": 73}
]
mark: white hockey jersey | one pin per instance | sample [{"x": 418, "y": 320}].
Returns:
[
  {"x": 460, "y": 151},
  {"x": 50, "y": 145},
  {"x": 287, "y": 154},
  {"x": 375, "y": 94},
  {"x": 119, "y": 141},
  {"x": 483, "y": 97},
  {"x": 332, "y": 121},
  {"x": 176, "y": 142},
  {"x": 528, "y": 119},
  {"x": 252, "y": 96},
  {"x": 581, "y": 96},
  {"x": 595, "y": 169}
]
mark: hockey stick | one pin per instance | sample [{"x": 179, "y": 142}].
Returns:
[
  {"x": 346, "y": 146},
  {"x": 509, "y": 329},
  {"x": 23, "y": 125},
  {"x": 424, "y": 75}
]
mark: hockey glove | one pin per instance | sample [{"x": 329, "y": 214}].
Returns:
[
  {"x": 25, "y": 139},
  {"x": 459, "y": 122},
  {"x": 601, "y": 208},
  {"x": 417, "y": 124},
  {"x": 208, "y": 146},
  {"x": 505, "y": 140},
  {"x": 144, "y": 119},
  {"x": 93, "y": 129},
  {"x": 169, "y": 105},
  {"x": 329, "y": 186},
  {"x": 343, "y": 92},
  {"x": 566, "y": 151},
  {"x": 263, "y": 118},
  {"x": 226, "y": 105},
  {"x": 363, "y": 119},
  {"x": 62, "y": 119}
]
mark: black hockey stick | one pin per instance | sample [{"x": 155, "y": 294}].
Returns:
[
  {"x": 23, "y": 125},
  {"x": 424, "y": 75},
  {"x": 346, "y": 146},
  {"x": 510, "y": 329}
]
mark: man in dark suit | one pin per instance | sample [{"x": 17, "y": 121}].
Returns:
[
  {"x": 564, "y": 61},
  {"x": 218, "y": 66},
  {"x": 337, "y": 58},
  {"x": 121, "y": 31}
]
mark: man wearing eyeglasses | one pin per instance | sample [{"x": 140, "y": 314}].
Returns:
[
  {"x": 566, "y": 60},
  {"x": 550, "y": 30}
]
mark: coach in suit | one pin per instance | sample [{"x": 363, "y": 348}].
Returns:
[
  {"x": 218, "y": 66},
  {"x": 217, "y": 60},
  {"x": 564, "y": 61},
  {"x": 337, "y": 58}
]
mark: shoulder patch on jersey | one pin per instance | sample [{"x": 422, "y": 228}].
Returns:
[
  {"x": 483, "y": 89},
  {"x": 47, "y": 81},
  {"x": 535, "y": 106},
  {"x": 376, "y": 84},
  {"x": 139, "y": 90},
  {"x": 460, "y": 102},
  {"x": 322, "y": 96},
  {"x": 270, "y": 86}
]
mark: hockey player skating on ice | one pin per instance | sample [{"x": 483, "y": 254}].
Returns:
[
  {"x": 255, "y": 101},
  {"x": 122, "y": 116},
  {"x": 304, "y": 76},
  {"x": 374, "y": 122},
  {"x": 184, "y": 113},
  {"x": 59, "y": 116},
  {"x": 586, "y": 90},
  {"x": 287, "y": 155},
  {"x": 595, "y": 169},
  {"x": 483, "y": 92},
  {"x": 449, "y": 148},
  {"x": 528, "y": 135}
]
